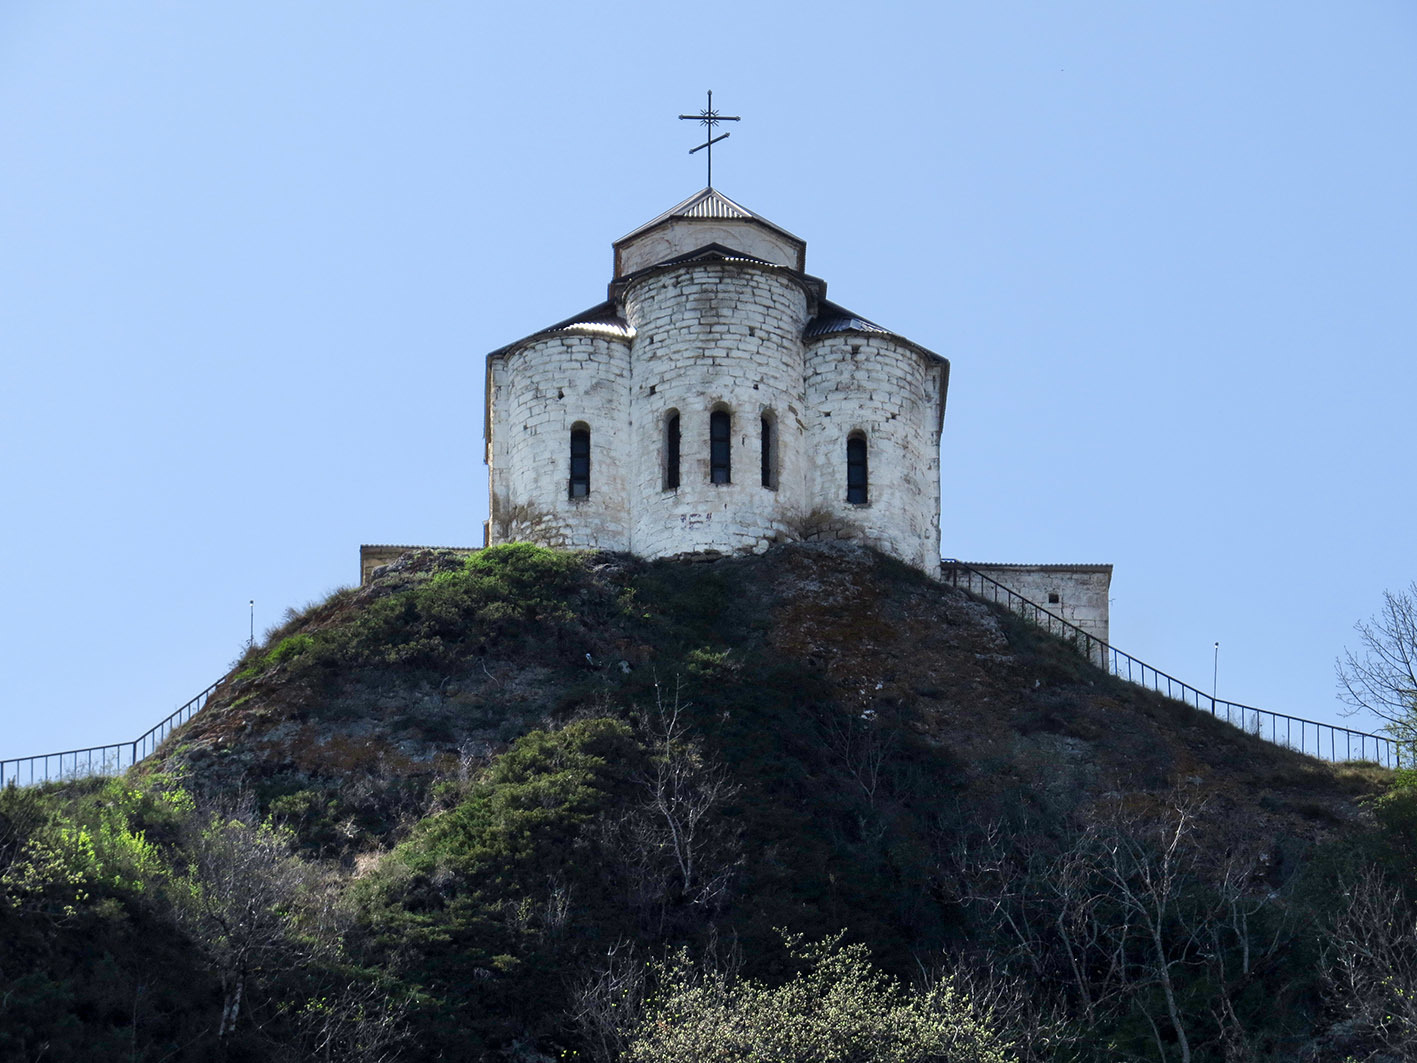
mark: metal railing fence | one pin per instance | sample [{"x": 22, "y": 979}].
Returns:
[
  {"x": 98, "y": 760},
  {"x": 1306, "y": 736},
  {"x": 1281, "y": 727}
]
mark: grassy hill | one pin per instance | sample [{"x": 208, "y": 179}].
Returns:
[{"x": 510, "y": 781}]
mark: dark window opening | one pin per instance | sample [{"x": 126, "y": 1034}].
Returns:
[
  {"x": 720, "y": 447},
  {"x": 768, "y": 479},
  {"x": 580, "y": 462},
  {"x": 856, "y": 478},
  {"x": 671, "y": 452},
  {"x": 1054, "y": 598}
]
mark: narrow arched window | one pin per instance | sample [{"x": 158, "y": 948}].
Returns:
[
  {"x": 671, "y": 451},
  {"x": 720, "y": 447},
  {"x": 856, "y": 476},
  {"x": 580, "y": 462},
  {"x": 769, "y": 441}
]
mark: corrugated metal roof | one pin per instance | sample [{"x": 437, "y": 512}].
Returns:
[
  {"x": 617, "y": 326},
  {"x": 396, "y": 546},
  {"x": 832, "y": 318},
  {"x": 710, "y": 204},
  {"x": 717, "y": 252},
  {"x": 1052, "y": 567},
  {"x": 602, "y": 318},
  {"x": 825, "y": 326}
]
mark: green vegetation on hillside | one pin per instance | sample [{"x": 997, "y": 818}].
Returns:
[{"x": 531, "y": 805}]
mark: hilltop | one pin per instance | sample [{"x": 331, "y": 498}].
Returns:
[
  {"x": 809, "y": 650},
  {"x": 470, "y": 800}
]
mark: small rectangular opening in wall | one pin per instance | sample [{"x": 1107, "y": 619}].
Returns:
[{"x": 1054, "y": 597}]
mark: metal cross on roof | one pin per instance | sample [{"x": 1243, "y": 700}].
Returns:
[{"x": 709, "y": 117}]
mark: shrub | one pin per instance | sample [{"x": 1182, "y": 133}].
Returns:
[
  {"x": 837, "y": 1009},
  {"x": 522, "y": 820},
  {"x": 485, "y": 904},
  {"x": 289, "y": 648},
  {"x": 498, "y": 593}
]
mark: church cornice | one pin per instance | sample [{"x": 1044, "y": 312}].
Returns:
[
  {"x": 833, "y": 321},
  {"x": 814, "y": 287}
]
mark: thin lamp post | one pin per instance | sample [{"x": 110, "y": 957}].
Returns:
[{"x": 1214, "y": 677}]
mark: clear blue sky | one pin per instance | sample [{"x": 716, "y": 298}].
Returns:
[{"x": 252, "y": 255}]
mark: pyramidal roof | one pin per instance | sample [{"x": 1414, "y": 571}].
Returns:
[
  {"x": 707, "y": 217},
  {"x": 710, "y": 203}
]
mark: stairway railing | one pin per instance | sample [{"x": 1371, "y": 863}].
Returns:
[
  {"x": 1315, "y": 738},
  {"x": 99, "y": 760},
  {"x": 1355, "y": 745}
]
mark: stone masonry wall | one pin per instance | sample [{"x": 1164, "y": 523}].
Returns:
[
  {"x": 540, "y": 392},
  {"x": 889, "y": 393},
  {"x": 712, "y": 336},
  {"x": 1077, "y": 593}
]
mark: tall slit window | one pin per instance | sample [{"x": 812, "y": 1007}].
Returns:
[
  {"x": 769, "y": 441},
  {"x": 856, "y": 475},
  {"x": 671, "y": 452},
  {"x": 580, "y": 462},
  {"x": 720, "y": 447}
]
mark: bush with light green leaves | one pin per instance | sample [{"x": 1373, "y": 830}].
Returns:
[{"x": 837, "y": 1009}]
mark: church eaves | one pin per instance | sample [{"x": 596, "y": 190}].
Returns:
[{"x": 603, "y": 318}]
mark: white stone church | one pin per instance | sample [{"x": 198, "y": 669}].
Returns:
[{"x": 717, "y": 402}]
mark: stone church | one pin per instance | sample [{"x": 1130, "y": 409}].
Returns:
[{"x": 717, "y": 402}]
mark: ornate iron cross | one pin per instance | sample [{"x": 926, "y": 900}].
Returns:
[{"x": 709, "y": 117}]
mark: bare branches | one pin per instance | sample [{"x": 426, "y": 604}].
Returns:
[
  {"x": 1382, "y": 676},
  {"x": 684, "y": 786},
  {"x": 607, "y": 1005},
  {"x": 354, "y": 1021},
  {"x": 862, "y": 743},
  {"x": 673, "y": 852},
  {"x": 1127, "y": 914},
  {"x": 1370, "y": 965}
]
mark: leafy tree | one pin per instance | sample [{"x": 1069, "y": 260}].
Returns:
[{"x": 837, "y": 1009}]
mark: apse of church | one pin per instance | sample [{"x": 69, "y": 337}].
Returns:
[{"x": 715, "y": 403}]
